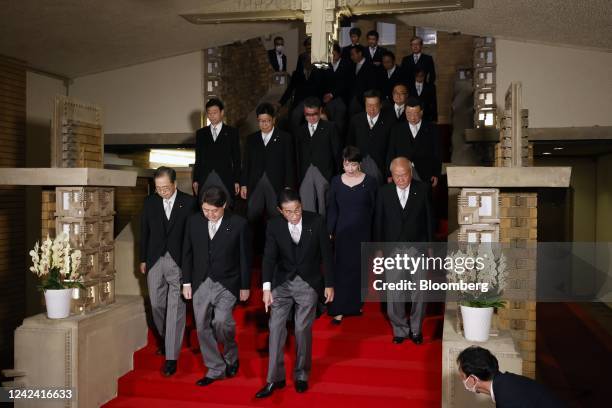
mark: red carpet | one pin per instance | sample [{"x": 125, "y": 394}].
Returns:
[{"x": 354, "y": 364}]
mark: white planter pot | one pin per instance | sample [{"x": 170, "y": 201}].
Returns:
[
  {"x": 476, "y": 322},
  {"x": 58, "y": 303}
]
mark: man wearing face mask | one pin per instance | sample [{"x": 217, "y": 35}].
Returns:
[
  {"x": 276, "y": 56},
  {"x": 479, "y": 371}
]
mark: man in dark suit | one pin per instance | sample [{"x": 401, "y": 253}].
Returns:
[
  {"x": 318, "y": 155},
  {"x": 162, "y": 226},
  {"x": 479, "y": 371},
  {"x": 403, "y": 216},
  {"x": 365, "y": 77},
  {"x": 391, "y": 75},
  {"x": 269, "y": 165},
  {"x": 397, "y": 106},
  {"x": 217, "y": 153},
  {"x": 418, "y": 141},
  {"x": 297, "y": 247},
  {"x": 278, "y": 60},
  {"x": 374, "y": 53},
  {"x": 305, "y": 55},
  {"x": 417, "y": 58},
  {"x": 336, "y": 94},
  {"x": 355, "y": 35},
  {"x": 310, "y": 81},
  {"x": 426, "y": 93},
  {"x": 369, "y": 131},
  {"x": 216, "y": 273}
]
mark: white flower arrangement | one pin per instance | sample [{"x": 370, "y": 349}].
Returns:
[
  {"x": 56, "y": 263},
  {"x": 491, "y": 270}
]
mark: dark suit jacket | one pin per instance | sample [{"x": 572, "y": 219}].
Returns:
[
  {"x": 222, "y": 156},
  {"x": 159, "y": 235},
  {"x": 428, "y": 99},
  {"x": 377, "y": 55},
  {"x": 284, "y": 260},
  {"x": 301, "y": 87},
  {"x": 274, "y": 61},
  {"x": 224, "y": 259},
  {"x": 423, "y": 150},
  {"x": 515, "y": 391},
  {"x": 373, "y": 142},
  {"x": 346, "y": 51},
  {"x": 426, "y": 61},
  {"x": 366, "y": 79},
  {"x": 322, "y": 149},
  {"x": 388, "y": 110},
  {"x": 338, "y": 82},
  {"x": 387, "y": 84},
  {"x": 277, "y": 160},
  {"x": 392, "y": 223}
]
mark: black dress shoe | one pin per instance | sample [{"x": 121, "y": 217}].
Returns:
[
  {"x": 301, "y": 386},
  {"x": 269, "y": 389},
  {"x": 169, "y": 368},
  {"x": 232, "y": 369},
  {"x": 203, "y": 382},
  {"x": 416, "y": 338},
  {"x": 398, "y": 340}
]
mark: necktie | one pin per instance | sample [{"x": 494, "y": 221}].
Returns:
[
  {"x": 399, "y": 112},
  {"x": 295, "y": 233},
  {"x": 403, "y": 198},
  {"x": 416, "y": 58},
  {"x": 419, "y": 88},
  {"x": 167, "y": 208},
  {"x": 312, "y": 130},
  {"x": 266, "y": 139},
  {"x": 214, "y": 133},
  {"x": 357, "y": 68},
  {"x": 212, "y": 229},
  {"x": 371, "y": 122}
]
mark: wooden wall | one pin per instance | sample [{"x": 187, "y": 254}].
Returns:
[{"x": 12, "y": 204}]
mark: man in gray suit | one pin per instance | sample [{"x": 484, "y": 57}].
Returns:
[
  {"x": 297, "y": 244},
  {"x": 216, "y": 272},
  {"x": 162, "y": 228}
]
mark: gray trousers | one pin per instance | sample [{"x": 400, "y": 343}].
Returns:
[
  {"x": 369, "y": 167},
  {"x": 314, "y": 191},
  {"x": 263, "y": 198},
  {"x": 284, "y": 296},
  {"x": 396, "y": 300},
  {"x": 213, "y": 179},
  {"x": 211, "y": 296},
  {"x": 167, "y": 305}
]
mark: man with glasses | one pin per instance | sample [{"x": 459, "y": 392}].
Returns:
[
  {"x": 318, "y": 156},
  {"x": 162, "y": 229},
  {"x": 297, "y": 246}
]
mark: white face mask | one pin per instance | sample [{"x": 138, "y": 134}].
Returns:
[
  {"x": 279, "y": 48},
  {"x": 473, "y": 389}
]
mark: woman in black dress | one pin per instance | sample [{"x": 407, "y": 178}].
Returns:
[{"x": 349, "y": 221}]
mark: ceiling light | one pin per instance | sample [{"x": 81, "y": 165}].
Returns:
[
  {"x": 558, "y": 148},
  {"x": 547, "y": 153}
]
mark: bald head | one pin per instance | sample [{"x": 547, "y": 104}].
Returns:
[{"x": 401, "y": 172}]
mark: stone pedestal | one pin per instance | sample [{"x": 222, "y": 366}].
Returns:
[
  {"x": 453, "y": 342},
  {"x": 87, "y": 353}
]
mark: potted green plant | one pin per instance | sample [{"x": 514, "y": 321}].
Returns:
[
  {"x": 477, "y": 305},
  {"x": 56, "y": 264}
]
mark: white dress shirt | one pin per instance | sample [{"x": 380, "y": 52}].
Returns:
[
  {"x": 359, "y": 65},
  {"x": 213, "y": 227},
  {"x": 312, "y": 127},
  {"x": 372, "y": 120},
  {"x": 268, "y": 285},
  {"x": 216, "y": 130},
  {"x": 403, "y": 195},
  {"x": 399, "y": 110},
  {"x": 373, "y": 51},
  {"x": 416, "y": 57},
  {"x": 169, "y": 203},
  {"x": 419, "y": 87},
  {"x": 266, "y": 137},
  {"x": 391, "y": 71},
  {"x": 414, "y": 129},
  {"x": 279, "y": 58},
  {"x": 336, "y": 64}
]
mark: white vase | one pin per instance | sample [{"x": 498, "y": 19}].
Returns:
[
  {"x": 58, "y": 303},
  {"x": 476, "y": 322}
]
